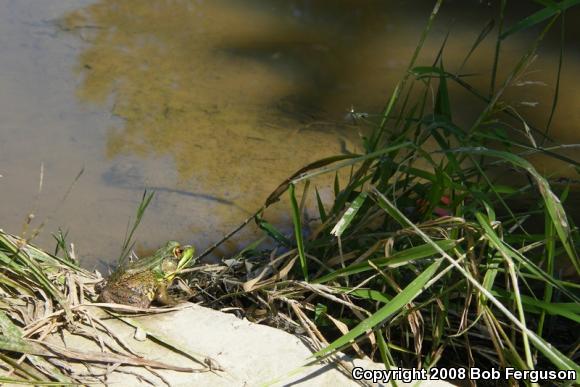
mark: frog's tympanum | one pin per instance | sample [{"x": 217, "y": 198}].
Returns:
[{"x": 144, "y": 281}]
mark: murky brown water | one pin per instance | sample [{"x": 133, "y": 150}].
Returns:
[{"x": 211, "y": 103}]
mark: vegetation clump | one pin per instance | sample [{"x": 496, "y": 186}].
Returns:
[{"x": 426, "y": 257}]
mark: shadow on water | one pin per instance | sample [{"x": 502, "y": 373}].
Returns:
[{"x": 131, "y": 179}]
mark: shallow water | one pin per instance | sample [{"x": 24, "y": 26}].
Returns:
[{"x": 212, "y": 104}]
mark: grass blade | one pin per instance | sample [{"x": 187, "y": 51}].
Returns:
[
  {"x": 551, "y": 201},
  {"x": 127, "y": 245},
  {"x": 539, "y": 17},
  {"x": 411, "y": 291},
  {"x": 395, "y": 260},
  {"x": 298, "y": 232},
  {"x": 272, "y": 232},
  {"x": 349, "y": 215},
  {"x": 480, "y": 38},
  {"x": 321, "y": 210}
]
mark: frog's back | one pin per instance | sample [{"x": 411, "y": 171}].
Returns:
[{"x": 124, "y": 287}]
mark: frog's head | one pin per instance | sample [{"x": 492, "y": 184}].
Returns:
[
  {"x": 165, "y": 264},
  {"x": 173, "y": 258}
]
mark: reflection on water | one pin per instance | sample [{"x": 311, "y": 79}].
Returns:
[
  {"x": 178, "y": 96},
  {"x": 213, "y": 103}
]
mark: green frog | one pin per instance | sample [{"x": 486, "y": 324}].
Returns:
[{"x": 146, "y": 280}]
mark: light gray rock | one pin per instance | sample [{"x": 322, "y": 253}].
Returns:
[{"x": 242, "y": 353}]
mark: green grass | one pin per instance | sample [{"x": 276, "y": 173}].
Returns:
[{"x": 440, "y": 265}]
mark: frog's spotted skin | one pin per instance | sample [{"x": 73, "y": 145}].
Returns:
[{"x": 146, "y": 280}]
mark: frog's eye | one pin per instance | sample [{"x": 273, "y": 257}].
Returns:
[{"x": 177, "y": 252}]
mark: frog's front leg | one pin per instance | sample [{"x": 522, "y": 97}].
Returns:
[{"x": 163, "y": 296}]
